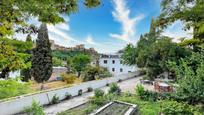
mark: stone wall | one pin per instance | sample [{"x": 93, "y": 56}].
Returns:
[{"x": 18, "y": 104}]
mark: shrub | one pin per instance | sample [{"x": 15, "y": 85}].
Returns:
[
  {"x": 80, "y": 92},
  {"x": 175, "y": 108},
  {"x": 99, "y": 100},
  {"x": 139, "y": 90},
  {"x": 11, "y": 88},
  {"x": 35, "y": 109},
  {"x": 55, "y": 99},
  {"x": 68, "y": 78},
  {"x": 99, "y": 93},
  {"x": 89, "y": 89},
  {"x": 68, "y": 96},
  {"x": 114, "y": 88},
  {"x": 146, "y": 95}
]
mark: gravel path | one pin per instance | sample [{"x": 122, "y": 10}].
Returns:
[{"x": 128, "y": 85}]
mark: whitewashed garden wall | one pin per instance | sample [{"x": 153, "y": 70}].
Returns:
[{"x": 18, "y": 104}]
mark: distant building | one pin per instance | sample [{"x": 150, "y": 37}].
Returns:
[
  {"x": 114, "y": 64},
  {"x": 56, "y": 73},
  {"x": 80, "y": 47}
]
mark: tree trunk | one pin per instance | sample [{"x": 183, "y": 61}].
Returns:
[
  {"x": 79, "y": 74},
  {"x": 5, "y": 73}
]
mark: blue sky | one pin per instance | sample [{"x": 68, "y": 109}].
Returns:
[{"x": 109, "y": 27}]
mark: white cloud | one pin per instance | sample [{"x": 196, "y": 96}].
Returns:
[
  {"x": 89, "y": 40},
  {"x": 175, "y": 31},
  {"x": 121, "y": 14}
]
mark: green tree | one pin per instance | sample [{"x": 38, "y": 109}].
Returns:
[
  {"x": 13, "y": 55},
  {"x": 190, "y": 73},
  {"x": 91, "y": 72},
  {"x": 18, "y": 12},
  {"x": 189, "y": 11},
  {"x": 163, "y": 50},
  {"x": 129, "y": 55},
  {"x": 79, "y": 62},
  {"x": 41, "y": 68},
  {"x": 57, "y": 62}
]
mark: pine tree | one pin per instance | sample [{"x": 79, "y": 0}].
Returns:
[
  {"x": 41, "y": 68},
  {"x": 152, "y": 26}
]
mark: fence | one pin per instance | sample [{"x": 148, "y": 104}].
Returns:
[{"x": 18, "y": 104}]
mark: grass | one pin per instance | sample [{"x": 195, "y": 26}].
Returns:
[
  {"x": 145, "y": 107},
  {"x": 34, "y": 87},
  {"x": 52, "y": 85},
  {"x": 84, "y": 109}
]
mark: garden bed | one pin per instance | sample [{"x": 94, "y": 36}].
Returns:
[{"x": 117, "y": 108}]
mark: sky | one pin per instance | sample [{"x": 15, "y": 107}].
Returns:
[{"x": 111, "y": 26}]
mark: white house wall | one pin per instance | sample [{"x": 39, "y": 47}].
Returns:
[{"x": 117, "y": 65}]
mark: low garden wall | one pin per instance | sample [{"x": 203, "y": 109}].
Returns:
[{"x": 19, "y": 103}]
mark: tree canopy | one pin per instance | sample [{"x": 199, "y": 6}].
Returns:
[
  {"x": 15, "y": 13},
  {"x": 79, "y": 62}
]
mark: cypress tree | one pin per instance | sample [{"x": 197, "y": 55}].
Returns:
[{"x": 41, "y": 68}]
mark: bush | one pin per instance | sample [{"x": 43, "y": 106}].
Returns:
[
  {"x": 114, "y": 88},
  {"x": 68, "y": 96},
  {"x": 104, "y": 73},
  {"x": 55, "y": 99},
  {"x": 35, "y": 109},
  {"x": 99, "y": 100},
  {"x": 139, "y": 90},
  {"x": 11, "y": 88},
  {"x": 80, "y": 92},
  {"x": 69, "y": 78},
  {"x": 99, "y": 93},
  {"x": 175, "y": 108},
  {"x": 146, "y": 95},
  {"x": 90, "y": 89}
]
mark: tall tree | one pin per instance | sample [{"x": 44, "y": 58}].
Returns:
[{"x": 41, "y": 68}]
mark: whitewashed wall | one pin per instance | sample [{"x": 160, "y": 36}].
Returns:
[
  {"x": 117, "y": 65},
  {"x": 18, "y": 104}
]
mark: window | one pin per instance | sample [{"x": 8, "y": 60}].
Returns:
[
  {"x": 113, "y": 61},
  {"x": 113, "y": 69},
  {"x": 105, "y": 61},
  {"x": 121, "y": 69}
]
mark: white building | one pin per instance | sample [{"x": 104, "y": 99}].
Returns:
[{"x": 114, "y": 64}]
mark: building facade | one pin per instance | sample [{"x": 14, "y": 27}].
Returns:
[{"x": 114, "y": 64}]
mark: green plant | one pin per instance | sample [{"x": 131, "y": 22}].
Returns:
[
  {"x": 55, "y": 99},
  {"x": 41, "y": 67},
  {"x": 68, "y": 78},
  {"x": 139, "y": 90},
  {"x": 114, "y": 88},
  {"x": 80, "y": 92},
  {"x": 89, "y": 89},
  {"x": 10, "y": 88},
  {"x": 145, "y": 94},
  {"x": 35, "y": 109},
  {"x": 99, "y": 93},
  {"x": 174, "y": 108},
  {"x": 68, "y": 96}
]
